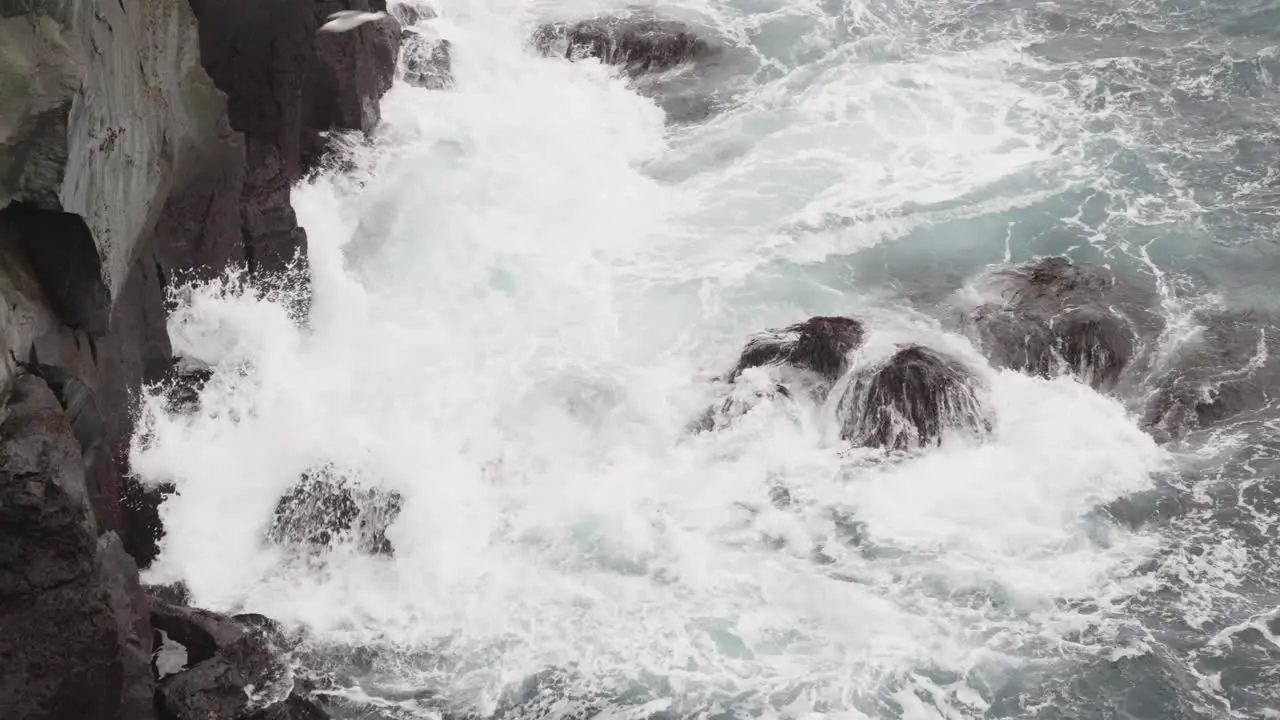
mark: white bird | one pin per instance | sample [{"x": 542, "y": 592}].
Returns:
[{"x": 345, "y": 20}]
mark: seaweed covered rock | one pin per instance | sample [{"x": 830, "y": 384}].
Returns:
[
  {"x": 819, "y": 344},
  {"x": 327, "y": 507},
  {"x": 1055, "y": 316},
  {"x": 910, "y": 401}
]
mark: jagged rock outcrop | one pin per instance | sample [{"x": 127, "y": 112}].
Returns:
[
  {"x": 174, "y": 144},
  {"x": 326, "y": 507},
  {"x": 233, "y": 666},
  {"x": 75, "y": 636},
  {"x": 142, "y": 142}
]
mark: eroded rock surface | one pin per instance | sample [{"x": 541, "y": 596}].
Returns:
[
  {"x": 327, "y": 507},
  {"x": 74, "y": 634}
]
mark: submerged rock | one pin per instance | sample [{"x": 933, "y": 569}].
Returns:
[
  {"x": 637, "y": 45},
  {"x": 424, "y": 62},
  {"x": 818, "y": 348},
  {"x": 1059, "y": 317},
  {"x": 1226, "y": 370},
  {"x": 910, "y": 401},
  {"x": 326, "y": 508},
  {"x": 232, "y": 667},
  {"x": 688, "y": 75}
]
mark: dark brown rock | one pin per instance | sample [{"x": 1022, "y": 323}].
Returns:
[
  {"x": 1223, "y": 372},
  {"x": 910, "y": 400},
  {"x": 325, "y": 508},
  {"x": 350, "y": 70},
  {"x": 638, "y": 45},
  {"x": 72, "y": 641},
  {"x": 224, "y": 657},
  {"x": 1056, "y": 316},
  {"x": 820, "y": 344}
]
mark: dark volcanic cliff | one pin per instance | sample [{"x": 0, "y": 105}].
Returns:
[{"x": 141, "y": 141}]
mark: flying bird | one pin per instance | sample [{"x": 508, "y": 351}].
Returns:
[{"x": 345, "y": 20}]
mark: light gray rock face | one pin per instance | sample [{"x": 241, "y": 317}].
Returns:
[{"x": 104, "y": 108}]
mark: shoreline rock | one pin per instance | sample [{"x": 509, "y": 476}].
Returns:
[{"x": 142, "y": 144}]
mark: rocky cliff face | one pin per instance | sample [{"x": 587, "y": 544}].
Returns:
[{"x": 141, "y": 141}]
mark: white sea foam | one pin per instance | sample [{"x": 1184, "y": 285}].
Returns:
[{"x": 513, "y": 318}]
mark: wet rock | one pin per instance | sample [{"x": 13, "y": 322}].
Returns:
[
  {"x": 812, "y": 355},
  {"x": 819, "y": 344},
  {"x": 294, "y": 707},
  {"x": 409, "y": 14},
  {"x": 1055, "y": 317},
  {"x": 739, "y": 402},
  {"x": 141, "y": 526},
  {"x": 72, "y": 641},
  {"x": 175, "y": 593},
  {"x": 1224, "y": 371},
  {"x": 326, "y": 508},
  {"x": 232, "y": 668},
  {"x": 910, "y": 400},
  {"x": 349, "y": 71},
  {"x": 65, "y": 258},
  {"x": 637, "y": 45},
  {"x": 424, "y": 62},
  {"x": 183, "y": 383}
]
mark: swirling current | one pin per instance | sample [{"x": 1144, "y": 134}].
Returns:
[{"x": 521, "y": 286}]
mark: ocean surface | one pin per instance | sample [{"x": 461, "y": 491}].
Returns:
[{"x": 522, "y": 286}]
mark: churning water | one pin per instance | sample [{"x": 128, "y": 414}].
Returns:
[{"x": 523, "y": 284}]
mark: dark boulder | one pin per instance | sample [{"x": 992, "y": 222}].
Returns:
[
  {"x": 73, "y": 639},
  {"x": 819, "y": 344},
  {"x": 327, "y": 508},
  {"x": 637, "y": 45},
  {"x": 689, "y": 73},
  {"x": 1224, "y": 371},
  {"x": 1055, "y": 316},
  {"x": 910, "y": 401},
  {"x": 141, "y": 527},
  {"x": 817, "y": 349},
  {"x": 232, "y": 668}
]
